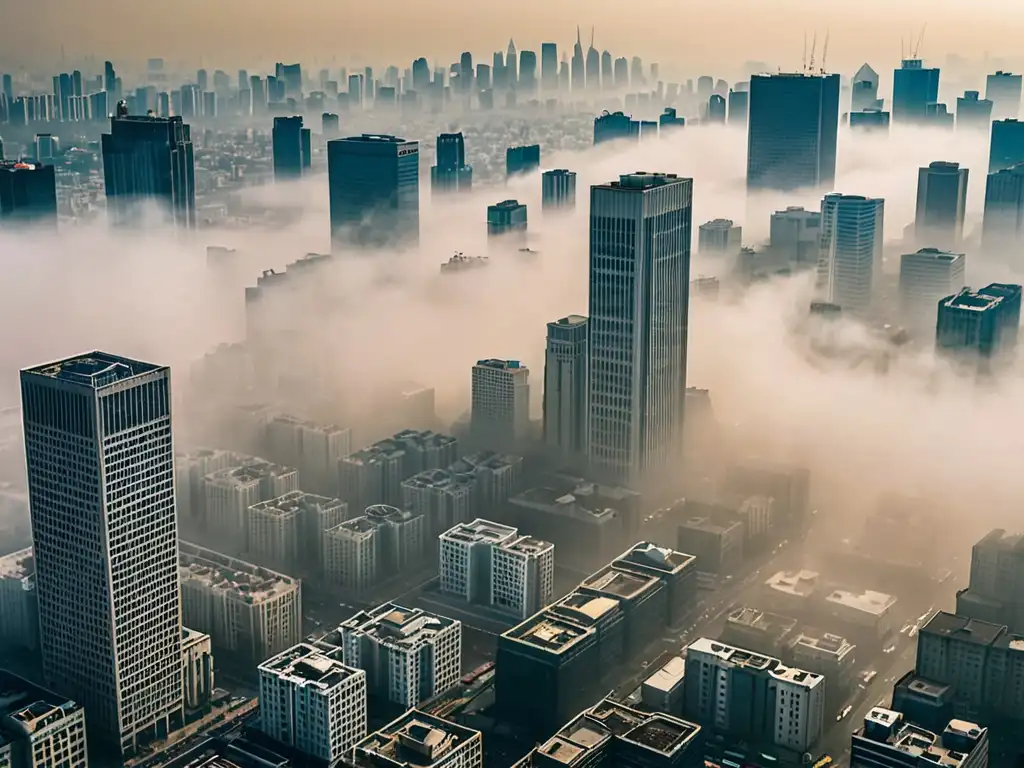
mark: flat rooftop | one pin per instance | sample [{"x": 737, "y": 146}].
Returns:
[
  {"x": 710, "y": 525},
  {"x": 924, "y": 687},
  {"x": 442, "y": 479},
  {"x": 94, "y": 369},
  {"x": 969, "y": 301},
  {"x": 669, "y": 676},
  {"x": 527, "y": 545},
  {"x": 295, "y": 502},
  {"x": 424, "y": 438},
  {"x": 487, "y": 460},
  {"x": 650, "y": 556},
  {"x": 621, "y": 584},
  {"x": 731, "y": 654},
  {"x": 919, "y": 742},
  {"x": 308, "y": 665},
  {"x": 237, "y": 578},
  {"x": 26, "y": 708},
  {"x": 383, "y": 450},
  {"x": 479, "y": 532},
  {"x": 251, "y": 473},
  {"x": 567, "y": 504},
  {"x": 868, "y": 601},
  {"x": 18, "y": 565},
  {"x": 356, "y": 528},
  {"x": 404, "y": 628},
  {"x": 414, "y": 739},
  {"x": 826, "y": 643},
  {"x": 549, "y": 632},
  {"x": 664, "y": 734},
  {"x": 798, "y": 583},
  {"x": 642, "y": 180},
  {"x": 585, "y": 609},
  {"x": 762, "y": 621},
  {"x": 798, "y": 676},
  {"x": 963, "y": 629},
  {"x": 501, "y": 365}
]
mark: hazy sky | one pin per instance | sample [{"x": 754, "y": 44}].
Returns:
[{"x": 684, "y": 35}]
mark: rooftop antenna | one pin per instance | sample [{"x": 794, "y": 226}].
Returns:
[
  {"x": 824, "y": 52},
  {"x": 591, "y": 36}
]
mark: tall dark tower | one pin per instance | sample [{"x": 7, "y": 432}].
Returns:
[
  {"x": 593, "y": 65},
  {"x": 28, "y": 194},
  {"x": 148, "y": 159},
  {"x": 511, "y": 71},
  {"x": 549, "y": 66},
  {"x": 291, "y": 148},
  {"x": 579, "y": 65},
  {"x": 451, "y": 174},
  {"x": 914, "y": 87}
]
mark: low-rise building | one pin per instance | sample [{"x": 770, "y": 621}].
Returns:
[
  {"x": 197, "y": 668},
  {"x": 663, "y": 690},
  {"x": 419, "y": 740},
  {"x": 887, "y": 738},
  {"x": 867, "y": 615},
  {"x": 830, "y": 655},
  {"x": 19, "y": 614},
  {"x": 790, "y": 592},
  {"x": 363, "y": 551},
  {"x": 758, "y": 631},
  {"x": 38, "y": 728}
]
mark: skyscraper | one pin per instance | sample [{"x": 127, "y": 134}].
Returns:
[
  {"x": 374, "y": 189},
  {"x": 522, "y": 159},
  {"x": 528, "y": 72},
  {"x": 850, "y": 256},
  {"x": 291, "y": 148},
  {"x": 864, "y": 92},
  {"x": 500, "y": 403},
  {"x": 466, "y": 72},
  {"x": 913, "y": 88},
  {"x": 558, "y": 190},
  {"x": 979, "y": 326},
  {"x": 1003, "y": 224},
  {"x": 549, "y": 66},
  {"x": 1003, "y": 90},
  {"x": 148, "y": 159},
  {"x": 739, "y": 105},
  {"x": 451, "y": 174},
  {"x": 593, "y": 65},
  {"x": 640, "y": 230},
  {"x": 926, "y": 277},
  {"x": 1006, "y": 148},
  {"x": 565, "y": 386},
  {"x": 791, "y": 141},
  {"x": 941, "y": 202},
  {"x": 579, "y": 65},
  {"x": 28, "y": 194},
  {"x": 511, "y": 73},
  {"x": 973, "y": 112},
  {"x": 100, "y": 464}
]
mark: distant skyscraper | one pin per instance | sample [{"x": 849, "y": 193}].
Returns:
[
  {"x": 291, "y": 148},
  {"x": 941, "y": 202},
  {"x": 1003, "y": 223},
  {"x": 528, "y": 72},
  {"x": 716, "y": 109},
  {"x": 466, "y": 72},
  {"x": 719, "y": 237},
  {"x": 149, "y": 160},
  {"x": 501, "y": 403},
  {"x": 972, "y": 112},
  {"x": 511, "y": 73},
  {"x": 607, "y": 71},
  {"x": 483, "y": 77},
  {"x": 870, "y": 119},
  {"x": 864, "y": 92},
  {"x": 977, "y": 327},
  {"x": 621, "y": 73},
  {"x": 28, "y": 194},
  {"x": 739, "y": 107},
  {"x": 374, "y": 190},
  {"x": 795, "y": 235},
  {"x": 565, "y": 386},
  {"x": 451, "y": 174},
  {"x": 794, "y": 120},
  {"x": 420, "y": 75},
  {"x": 615, "y": 125},
  {"x": 507, "y": 218},
  {"x": 636, "y": 73},
  {"x": 100, "y": 463},
  {"x": 329, "y": 124},
  {"x": 579, "y": 65},
  {"x": 914, "y": 87},
  {"x": 926, "y": 277},
  {"x": 549, "y": 66},
  {"x": 593, "y": 65},
  {"x": 850, "y": 258},
  {"x": 1003, "y": 90},
  {"x": 558, "y": 190},
  {"x": 1006, "y": 148},
  {"x": 639, "y": 297},
  {"x": 109, "y": 78},
  {"x": 522, "y": 159}
]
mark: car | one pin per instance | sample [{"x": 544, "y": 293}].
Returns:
[
  {"x": 889, "y": 649},
  {"x": 845, "y": 711},
  {"x": 868, "y": 676}
]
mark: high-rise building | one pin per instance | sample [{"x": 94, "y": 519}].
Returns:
[
  {"x": 850, "y": 256},
  {"x": 365, "y": 550},
  {"x": 292, "y": 151},
  {"x": 329, "y": 124},
  {"x": 579, "y": 65},
  {"x": 979, "y": 326},
  {"x": 500, "y": 402},
  {"x": 1006, "y": 147},
  {"x": 1003, "y": 90},
  {"x": 451, "y": 173},
  {"x": 639, "y": 297},
  {"x": 148, "y": 159},
  {"x": 927, "y": 277},
  {"x": 100, "y": 463},
  {"x": 973, "y": 112},
  {"x": 288, "y": 532},
  {"x": 621, "y": 73},
  {"x": 549, "y": 66},
  {"x": 511, "y": 72},
  {"x": 19, "y": 615},
  {"x": 941, "y": 203},
  {"x": 28, "y": 194},
  {"x": 39, "y": 728},
  {"x": 870, "y": 120},
  {"x": 889, "y": 738},
  {"x": 794, "y": 120},
  {"x": 528, "y": 72},
  {"x": 864, "y": 91},
  {"x": 795, "y": 235},
  {"x": 312, "y": 702},
  {"x": 558, "y": 190},
  {"x": 593, "y": 65},
  {"x": 423, "y": 740},
  {"x": 1003, "y": 222},
  {"x": 522, "y": 159},
  {"x": 565, "y": 386},
  {"x": 716, "y": 109},
  {"x": 996, "y": 590},
  {"x": 466, "y": 72},
  {"x": 609, "y": 126},
  {"x": 739, "y": 106},
  {"x": 509, "y": 217},
  {"x": 374, "y": 190},
  {"x": 719, "y": 237},
  {"x": 914, "y": 88}
]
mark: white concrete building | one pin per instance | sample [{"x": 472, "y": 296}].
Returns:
[
  {"x": 442, "y": 496},
  {"x": 465, "y": 558},
  {"x": 38, "y": 728},
  {"x": 245, "y": 609},
  {"x": 360, "y": 552},
  {"x": 287, "y": 532},
  {"x": 409, "y": 655},
  {"x": 791, "y": 591},
  {"x": 311, "y": 702},
  {"x": 190, "y": 471},
  {"x": 501, "y": 403},
  {"x": 927, "y": 277},
  {"x": 522, "y": 576},
  {"x": 565, "y": 386},
  {"x": 230, "y": 492},
  {"x": 19, "y": 616},
  {"x": 197, "y": 668},
  {"x": 867, "y": 610},
  {"x": 421, "y": 740},
  {"x": 315, "y": 449},
  {"x": 799, "y": 707}
]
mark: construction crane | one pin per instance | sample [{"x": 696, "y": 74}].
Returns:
[
  {"x": 824, "y": 52},
  {"x": 814, "y": 45},
  {"x": 920, "y": 41}
]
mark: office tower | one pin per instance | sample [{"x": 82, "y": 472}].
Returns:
[
  {"x": 451, "y": 173},
  {"x": 108, "y": 638},
  {"x": 914, "y": 87},
  {"x": 202, "y": 79},
  {"x": 621, "y": 73},
  {"x": 638, "y": 347},
  {"x": 507, "y": 218},
  {"x": 290, "y": 76},
  {"x": 149, "y": 160},
  {"x": 511, "y": 72},
  {"x": 291, "y": 143},
  {"x": 791, "y": 139},
  {"x": 466, "y": 71},
  {"x": 422, "y": 740},
  {"x": 927, "y": 277},
  {"x": 372, "y": 547},
  {"x": 850, "y": 255},
  {"x": 528, "y": 72},
  {"x": 1003, "y": 223},
  {"x": 636, "y": 73},
  {"x": 492, "y": 564},
  {"x": 870, "y": 119},
  {"x": 250, "y": 611},
  {"x": 558, "y": 190},
  {"x": 564, "y": 84},
  {"x": 609, "y": 126},
  {"x": 329, "y": 124},
  {"x": 996, "y": 590},
  {"x": 979, "y": 326},
  {"x": 1006, "y": 148},
  {"x": 209, "y": 104},
  {"x": 739, "y": 102},
  {"x": 522, "y": 159},
  {"x": 1003, "y": 90},
  {"x": 420, "y": 75},
  {"x": 795, "y": 235},
  {"x": 782, "y": 705},
  {"x": 7, "y": 88},
  {"x": 565, "y": 386},
  {"x": 941, "y": 202},
  {"x": 19, "y": 616},
  {"x": 28, "y": 195},
  {"x": 312, "y": 702},
  {"x": 374, "y": 190},
  {"x": 39, "y": 728},
  {"x": 500, "y": 403},
  {"x": 891, "y": 738},
  {"x": 549, "y": 67},
  {"x": 715, "y": 109},
  {"x": 593, "y": 66},
  {"x": 864, "y": 91},
  {"x": 579, "y": 65},
  {"x": 483, "y": 78},
  {"x": 719, "y": 237},
  {"x": 409, "y": 655},
  {"x": 972, "y": 112}
]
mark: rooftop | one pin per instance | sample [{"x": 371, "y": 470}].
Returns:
[
  {"x": 443, "y": 479},
  {"x": 717, "y": 224},
  {"x": 376, "y": 138},
  {"x": 414, "y": 739},
  {"x": 559, "y": 172},
  {"x": 527, "y": 545},
  {"x": 968, "y": 300},
  {"x": 568, "y": 504},
  {"x": 642, "y": 180},
  {"x": 924, "y": 687},
  {"x": 962, "y": 628},
  {"x": 868, "y": 601},
  {"x": 309, "y": 666},
  {"x": 295, "y": 502},
  {"x": 935, "y": 254},
  {"x": 94, "y": 369},
  {"x": 650, "y": 557},
  {"x": 25, "y": 707},
  {"x": 620, "y": 584},
  {"x": 18, "y": 565},
  {"x": 479, "y": 532},
  {"x": 487, "y": 460},
  {"x": 799, "y": 583},
  {"x": 710, "y": 525},
  {"x": 550, "y": 632},
  {"x": 732, "y": 655},
  {"x": 356, "y": 528},
  {"x": 502, "y": 365},
  {"x": 251, "y": 473},
  {"x": 763, "y": 621},
  {"x": 397, "y": 627},
  {"x": 571, "y": 320},
  {"x": 226, "y": 574},
  {"x": 825, "y": 642},
  {"x": 889, "y": 727},
  {"x": 507, "y": 205},
  {"x": 584, "y": 609},
  {"x": 669, "y": 676}
]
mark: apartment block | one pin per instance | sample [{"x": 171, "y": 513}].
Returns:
[
  {"x": 419, "y": 740},
  {"x": 231, "y": 492},
  {"x": 315, "y": 449},
  {"x": 365, "y": 550},
  {"x": 287, "y": 532},
  {"x": 197, "y": 668},
  {"x": 38, "y": 728}
]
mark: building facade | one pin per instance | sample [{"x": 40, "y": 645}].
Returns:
[
  {"x": 558, "y": 190},
  {"x": 941, "y": 203},
  {"x": 28, "y": 194},
  {"x": 500, "y": 403},
  {"x": 927, "y": 277},
  {"x": 565, "y": 386},
  {"x": 850, "y": 256},
  {"x": 39, "y": 728}
]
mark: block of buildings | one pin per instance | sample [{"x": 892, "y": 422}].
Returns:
[
  {"x": 312, "y": 702},
  {"x": 419, "y": 740},
  {"x": 613, "y": 734},
  {"x": 443, "y": 497},
  {"x": 19, "y": 614},
  {"x": 923, "y": 701},
  {"x": 676, "y": 570},
  {"x": 887, "y": 738},
  {"x": 287, "y": 532},
  {"x": 663, "y": 690},
  {"x": 994, "y": 593},
  {"x": 759, "y": 631},
  {"x": 379, "y": 544},
  {"x": 39, "y": 728},
  {"x": 788, "y": 486},
  {"x": 492, "y": 564},
  {"x": 314, "y": 449},
  {"x": 785, "y": 705},
  {"x": 244, "y": 608},
  {"x": 867, "y": 615},
  {"x": 409, "y": 655},
  {"x": 197, "y": 668},
  {"x": 190, "y": 471},
  {"x": 497, "y": 476},
  {"x": 230, "y": 492},
  {"x": 827, "y": 654}
]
